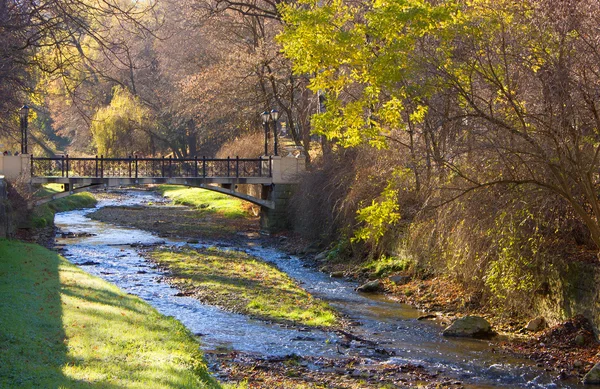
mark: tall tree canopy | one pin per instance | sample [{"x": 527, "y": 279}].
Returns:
[{"x": 479, "y": 92}]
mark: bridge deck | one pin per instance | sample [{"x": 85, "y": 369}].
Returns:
[
  {"x": 152, "y": 168},
  {"x": 221, "y": 175}
]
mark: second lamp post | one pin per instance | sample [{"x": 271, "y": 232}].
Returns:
[
  {"x": 24, "y": 116},
  {"x": 268, "y": 118}
]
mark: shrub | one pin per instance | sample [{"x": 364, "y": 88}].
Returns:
[
  {"x": 500, "y": 242},
  {"x": 249, "y": 145}
]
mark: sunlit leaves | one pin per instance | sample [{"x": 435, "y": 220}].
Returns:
[
  {"x": 118, "y": 129},
  {"x": 377, "y": 217},
  {"x": 363, "y": 58}
]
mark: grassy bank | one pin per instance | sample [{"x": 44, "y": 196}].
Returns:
[
  {"x": 206, "y": 200},
  {"x": 44, "y": 214},
  {"x": 48, "y": 190},
  {"x": 62, "y": 328},
  {"x": 241, "y": 283}
]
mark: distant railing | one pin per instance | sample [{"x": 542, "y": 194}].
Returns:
[{"x": 134, "y": 167}]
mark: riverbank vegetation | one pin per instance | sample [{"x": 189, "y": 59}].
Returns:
[
  {"x": 238, "y": 282},
  {"x": 205, "y": 200},
  {"x": 43, "y": 215},
  {"x": 61, "y": 327}
]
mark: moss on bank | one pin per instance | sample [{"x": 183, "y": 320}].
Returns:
[
  {"x": 43, "y": 215},
  {"x": 63, "y": 328},
  {"x": 242, "y": 283}
]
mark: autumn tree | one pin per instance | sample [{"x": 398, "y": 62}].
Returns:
[
  {"x": 518, "y": 95},
  {"x": 96, "y": 48},
  {"x": 121, "y": 128}
]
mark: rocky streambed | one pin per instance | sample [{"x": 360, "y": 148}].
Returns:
[{"x": 383, "y": 344}]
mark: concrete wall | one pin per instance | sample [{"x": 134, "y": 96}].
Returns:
[
  {"x": 12, "y": 166},
  {"x": 4, "y": 213},
  {"x": 286, "y": 169}
]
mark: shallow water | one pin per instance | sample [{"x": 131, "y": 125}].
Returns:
[{"x": 393, "y": 327}]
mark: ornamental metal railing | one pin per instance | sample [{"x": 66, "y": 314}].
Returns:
[{"x": 134, "y": 167}]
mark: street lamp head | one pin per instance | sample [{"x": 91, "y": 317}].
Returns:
[
  {"x": 265, "y": 116},
  {"x": 274, "y": 115},
  {"x": 24, "y": 112}
]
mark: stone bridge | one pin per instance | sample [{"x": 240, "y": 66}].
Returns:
[{"x": 264, "y": 181}]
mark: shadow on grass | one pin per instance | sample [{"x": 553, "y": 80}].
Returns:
[
  {"x": 62, "y": 328},
  {"x": 33, "y": 347},
  {"x": 103, "y": 297}
]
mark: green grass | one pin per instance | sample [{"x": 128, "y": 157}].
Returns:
[
  {"x": 207, "y": 200},
  {"x": 48, "y": 190},
  {"x": 386, "y": 265},
  {"x": 44, "y": 214},
  {"x": 63, "y": 328},
  {"x": 244, "y": 284}
]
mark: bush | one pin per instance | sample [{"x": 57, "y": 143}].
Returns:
[
  {"x": 245, "y": 146},
  {"x": 358, "y": 194},
  {"x": 500, "y": 243}
]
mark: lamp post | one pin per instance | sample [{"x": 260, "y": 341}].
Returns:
[
  {"x": 265, "y": 119},
  {"x": 274, "y": 117},
  {"x": 23, "y": 115}
]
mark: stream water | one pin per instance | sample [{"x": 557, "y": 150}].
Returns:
[{"x": 394, "y": 334}]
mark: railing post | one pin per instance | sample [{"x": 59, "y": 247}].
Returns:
[
  {"x": 62, "y": 167},
  {"x": 136, "y": 167},
  {"x": 270, "y": 166},
  {"x": 195, "y": 166},
  {"x": 31, "y": 167},
  {"x": 101, "y": 166},
  {"x": 228, "y": 174},
  {"x": 204, "y": 166},
  {"x": 129, "y": 166},
  {"x": 260, "y": 166},
  {"x": 170, "y": 166},
  {"x": 67, "y": 165},
  {"x": 163, "y": 166},
  {"x": 96, "y": 175},
  {"x": 237, "y": 166}
]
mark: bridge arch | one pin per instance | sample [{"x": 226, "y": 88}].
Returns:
[{"x": 75, "y": 185}]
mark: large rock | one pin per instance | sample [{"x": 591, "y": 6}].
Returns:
[
  {"x": 593, "y": 376},
  {"x": 537, "y": 324},
  {"x": 470, "y": 327},
  {"x": 370, "y": 287},
  {"x": 399, "y": 280},
  {"x": 321, "y": 256}
]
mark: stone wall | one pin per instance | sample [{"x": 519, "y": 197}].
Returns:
[
  {"x": 271, "y": 220},
  {"x": 573, "y": 288},
  {"x": 274, "y": 220}
]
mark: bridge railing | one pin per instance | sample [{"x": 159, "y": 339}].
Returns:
[{"x": 134, "y": 167}]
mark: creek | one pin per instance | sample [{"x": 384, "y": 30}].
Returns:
[{"x": 386, "y": 332}]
